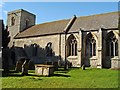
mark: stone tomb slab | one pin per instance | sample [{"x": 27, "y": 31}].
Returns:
[{"x": 44, "y": 70}]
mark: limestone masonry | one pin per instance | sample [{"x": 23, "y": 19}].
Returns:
[{"x": 92, "y": 41}]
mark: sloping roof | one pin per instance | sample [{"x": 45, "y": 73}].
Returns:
[
  {"x": 93, "y": 22},
  {"x": 45, "y": 28}
]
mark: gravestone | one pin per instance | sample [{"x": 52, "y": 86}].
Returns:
[
  {"x": 25, "y": 67},
  {"x": 83, "y": 67},
  {"x": 55, "y": 65},
  {"x": 19, "y": 63}
]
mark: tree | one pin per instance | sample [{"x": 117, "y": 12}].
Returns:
[
  {"x": 5, "y": 37},
  {"x": 5, "y": 49}
]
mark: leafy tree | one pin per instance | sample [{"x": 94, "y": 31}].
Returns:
[
  {"x": 5, "y": 49},
  {"x": 5, "y": 37}
]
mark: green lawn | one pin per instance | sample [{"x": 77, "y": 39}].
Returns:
[{"x": 74, "y": 78}]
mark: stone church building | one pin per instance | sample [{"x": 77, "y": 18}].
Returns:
[{"x": 92, "y": 41}]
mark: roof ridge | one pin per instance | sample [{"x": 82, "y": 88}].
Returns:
[
  {"x": 77, "y": 17},
  {"x": 97, "y": 14},
  {"x": 52, "y": 21},
  {"x": 108, "y": 21}
]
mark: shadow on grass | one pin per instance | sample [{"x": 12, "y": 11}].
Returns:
[
  {"x": 61, "y": 75},
  {"x": 36, "y": 78},
  {"x": 61, "y": 70},
  {"x": 16, "y": 74},
  {"x": 11, "y": 75}
]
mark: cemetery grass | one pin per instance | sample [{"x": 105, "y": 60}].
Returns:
[{"x": 73, "y": 78}]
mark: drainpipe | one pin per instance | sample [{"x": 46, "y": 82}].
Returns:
[{"x": 67, "y": 28}]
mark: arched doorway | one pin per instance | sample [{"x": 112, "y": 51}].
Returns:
[{"x": 90, "y": 49}]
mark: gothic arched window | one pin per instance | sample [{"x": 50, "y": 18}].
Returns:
[
  {"x": 34, "y": 49},
  {"x": 116, "y": 48},
  {"x": 72, "y": 46},
  {"x": 12, "y": 21},
  {"x": 111, "y": 45},
  {"x": 90, "y": 45},
  {"x": 49, "y": 49}
]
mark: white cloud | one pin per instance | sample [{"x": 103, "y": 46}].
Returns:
[
  {"x": 4, "y": 11},
  {"x": 0, "y": 17},
  {"x": 0, "y": 5}
]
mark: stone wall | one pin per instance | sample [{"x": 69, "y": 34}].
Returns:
[
  {"x": 58, "y": 46},
  {"x": 20, "y": 17},
  {"x": 115, "y": 63},
  {"x": 75, "y": 60},
  {"x": 27, "y": 16},
  {"x": 88, "y": 60},
  {"x": 41, "y": 42},
  {"x": 14, "y": 29},
  {"x": 107, "y": 61}
]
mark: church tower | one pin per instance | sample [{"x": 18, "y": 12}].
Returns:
[{"x": 18, "y": 21}]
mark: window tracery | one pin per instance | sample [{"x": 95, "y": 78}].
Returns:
[
  {"x": 111, "y": 45},
  {"x": 90, "y": 45},
  {"x": 72, "y": 46}
]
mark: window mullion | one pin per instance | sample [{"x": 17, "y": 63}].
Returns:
[
  {"x": 74, "y": 49},
  {"x": 113, "y": 48},
  {"x": 92, "y": 49},
  {"x": 71, "y": 49}
]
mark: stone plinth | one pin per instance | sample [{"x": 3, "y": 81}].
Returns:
[
  {"x": 93, "y": 62},
  {"x": 45, "y": 70},
  {"x": 115, "y": 63}
]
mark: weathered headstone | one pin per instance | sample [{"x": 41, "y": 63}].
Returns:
[
  {"x": 83, "y": 67},
  {"x": 19, "y": 63},
  {"x": 55, "y": 65},
  {"x": 25, "y": 67}
]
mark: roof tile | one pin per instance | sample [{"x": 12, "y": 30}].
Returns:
[{"x": 93, "y": 22}]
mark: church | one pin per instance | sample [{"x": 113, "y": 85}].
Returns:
[{"x": 92, "y": 41}]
